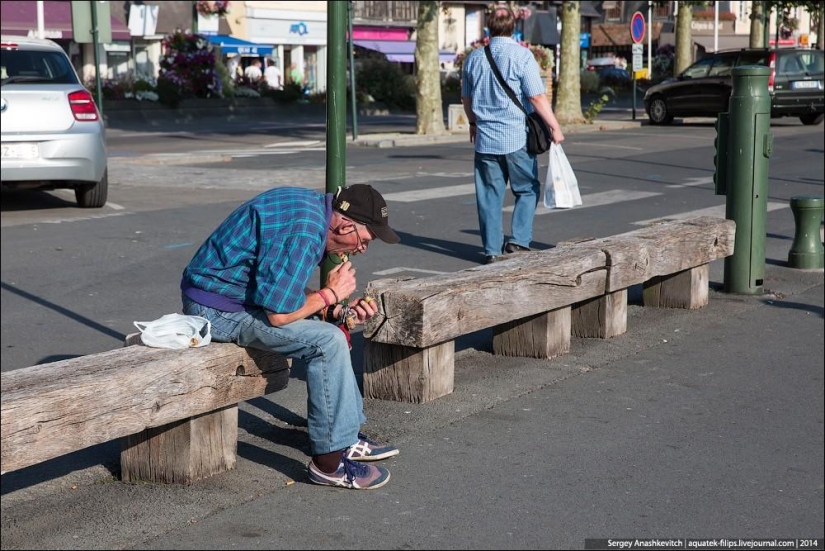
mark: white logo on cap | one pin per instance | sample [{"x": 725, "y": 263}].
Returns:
[{"x": 384, "y": 212}]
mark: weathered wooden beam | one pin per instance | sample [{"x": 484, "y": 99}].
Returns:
[
  {"x": 53, "y": 409},
  {"x": 408, "y": 374},
  {"x": 686, "y": 289},
  {"x": 601, "y": 317},
  {"x": 182, "y": 452},
  {"x": 661, "y": 249},
  {"x": 428, "y": 311},
  {"x": 543, "y": 336}
]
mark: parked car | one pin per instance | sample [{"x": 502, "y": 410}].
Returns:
[
  {"x": 703, "y": 89},
  {"x": 52, "y": 133}
]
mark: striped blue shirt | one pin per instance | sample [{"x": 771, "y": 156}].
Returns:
[
  {"x": 501, "y": 125},
  {"x": 265, "y": 252}
]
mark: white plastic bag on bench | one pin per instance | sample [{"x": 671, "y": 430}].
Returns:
[
  {"x": 175, "y": 331},
  {"x": 561, "y": 188}
]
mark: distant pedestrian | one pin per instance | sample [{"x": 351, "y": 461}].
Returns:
[
  {"x": 253, "y": 72},
  {"x": 296, "y": 75},
  {"x": 498, "y": 129},
  {"x": 273, "y": 77}
]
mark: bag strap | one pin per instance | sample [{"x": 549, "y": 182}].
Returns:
[{"x": 500, "y": 78}]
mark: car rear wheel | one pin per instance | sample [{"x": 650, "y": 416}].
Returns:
[
  {"x": 657, "y": 112},
  {"x": 812, "y": 118},
  {"x": 93, "y": 196}
]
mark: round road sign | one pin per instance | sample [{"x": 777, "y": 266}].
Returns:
[{"x": 637, "y": 27}]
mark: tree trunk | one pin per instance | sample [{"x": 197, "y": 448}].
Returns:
[
  {"x": 757, "y": 25},
  {"x": 820, "y": 29},
  {"x": 428, "y": 107},
  {"x": 684, "y": 41},
  {"x": 569, "y": 102}
]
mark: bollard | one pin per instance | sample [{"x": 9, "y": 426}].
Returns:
[
  {"x": 749, "y": 145},
  {"x": 806, "y": 250}
]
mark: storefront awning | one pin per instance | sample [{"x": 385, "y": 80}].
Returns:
[
  {"x": 232, "y": 45},
  {"x": 19, "y": 18},
  {"x": 726, "y": 42},
  {"x": 400, "y": 51}
]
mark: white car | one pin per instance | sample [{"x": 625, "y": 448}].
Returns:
[{"x": 52, "y": 132}]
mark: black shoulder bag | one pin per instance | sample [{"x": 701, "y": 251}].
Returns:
[{"x": 538, "y": 135}]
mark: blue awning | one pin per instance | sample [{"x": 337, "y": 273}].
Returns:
[
  {"x": 400, "y": 51},
  {"x": 232, "y": 45}
]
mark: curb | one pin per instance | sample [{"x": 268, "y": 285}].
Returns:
[{"x": 398, "y": 139}]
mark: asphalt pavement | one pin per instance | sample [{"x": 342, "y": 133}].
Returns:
[{"x": 701, "y": 424}]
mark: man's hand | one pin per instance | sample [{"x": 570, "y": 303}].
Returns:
[
  {"x": 341, "y": 280},
  {"x": 364, "y": 308},
  {"x": 473, "y": 131}
]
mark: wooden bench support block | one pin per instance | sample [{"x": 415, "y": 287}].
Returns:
[
  {"x": 542, "y": 336},
  {"x": 408, "y": 374},
  {"x": 687, "y": 289},
  {"x": 601, "y": 317},
  {"x": 182, "y": 452}
]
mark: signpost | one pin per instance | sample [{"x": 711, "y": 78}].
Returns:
[{"x": 637, "y": 33}]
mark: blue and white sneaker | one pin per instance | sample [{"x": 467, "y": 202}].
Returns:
[
  {"x": 368, "y": 450},
  {"x": 350, "y": 474}
]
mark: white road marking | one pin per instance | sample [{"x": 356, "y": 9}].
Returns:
[
  {"x": 614, "y": 146},
  {"x": 431, "y": 193},
  {"x": 598, "y": 200},
  {"x": 93, "y": 217},
  {"x": 294, "y": 144},
  {"x": 717, "y": 211},
  {"x": 401, "y": 269},
  {"x": 700, "y": 181}
]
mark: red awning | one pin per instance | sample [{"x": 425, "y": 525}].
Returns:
[{"x": 19, "y": 18}]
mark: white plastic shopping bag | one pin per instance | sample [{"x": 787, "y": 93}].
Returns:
[
  {"x": 175, "y": 331},
  {"x": 561, "y": 189}
]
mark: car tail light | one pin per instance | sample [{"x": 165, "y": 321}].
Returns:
[
  {"x": 8, "y": 45},
  {"x": 772, "y": 66},
  {"x": 83, "y": 106}
]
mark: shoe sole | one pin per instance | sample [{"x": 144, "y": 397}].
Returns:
[{"x": 333, "y": 485}]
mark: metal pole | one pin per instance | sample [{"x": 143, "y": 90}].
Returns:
[
  {"x": 715, "y": 27},
  {"x": 649, "y": 41},
  {"x": 766, "y": 24},
  {"x": 750, "y": 144},
  {"x": 194, "y": 17},
  {"x": 98, "y": 84},
  {"x": 41, "y": 20},
  {"x": 353, "y": 98},
  {"x": 336, "y": 107}
]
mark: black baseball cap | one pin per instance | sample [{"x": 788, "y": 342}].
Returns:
[{"x": 364, "y": 205}]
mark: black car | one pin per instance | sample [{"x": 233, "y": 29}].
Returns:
[{"x": 704, "y": 88}]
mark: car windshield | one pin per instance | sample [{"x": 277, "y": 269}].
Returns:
[
  {"x": 27, "y": 66},
  {"x": 698, "y": 69}
]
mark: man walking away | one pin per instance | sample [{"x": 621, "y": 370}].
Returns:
[{"x": 499, "y": 130}]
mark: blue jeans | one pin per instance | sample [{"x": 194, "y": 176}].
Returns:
[
  {"x": 492, "y": 172},
  {"x": 335, "y": 408}
]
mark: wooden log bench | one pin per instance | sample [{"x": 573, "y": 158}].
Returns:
[
  {"x": 533, "y": 301},
  {"x": 175, "y": 412}
]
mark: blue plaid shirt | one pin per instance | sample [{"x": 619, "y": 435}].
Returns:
[
  {"x": 264, "y": 253},
  {"x": 501, "y": 125}
]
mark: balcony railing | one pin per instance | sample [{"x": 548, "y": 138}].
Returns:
[{"x": 390, "y": 11}]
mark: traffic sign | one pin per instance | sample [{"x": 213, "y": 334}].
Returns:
[
  {"x": 637, "y": 49},
  {"x": 638, "y": 62},
  {"x": 637, "y": 27}
]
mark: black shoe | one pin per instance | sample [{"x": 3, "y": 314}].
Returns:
[
  {"x": 492, "y": 258},
  {"x": 511, "y": 248}
]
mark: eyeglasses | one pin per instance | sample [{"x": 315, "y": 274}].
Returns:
[{"x": 362, "y": 245}]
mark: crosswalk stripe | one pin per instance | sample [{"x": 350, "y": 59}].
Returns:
[
  {"x": 430, "y": 193},
  {"x": 717, "y": 211},
  {"x": 598, "y": 200}
]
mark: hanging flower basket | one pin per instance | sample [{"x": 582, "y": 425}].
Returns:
[{"x": 207, "y": 8}]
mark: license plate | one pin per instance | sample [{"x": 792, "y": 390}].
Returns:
[
  {"x": 815, "y": 84},
  {"x": 20, "y": 151}
]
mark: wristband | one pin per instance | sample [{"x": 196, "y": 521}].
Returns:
[
  {"x": 337, "y": 300},
  {"x": 323, "y": 297}
]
